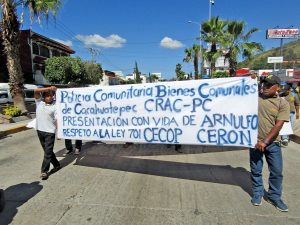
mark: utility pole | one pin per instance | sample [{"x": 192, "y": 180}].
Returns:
[
  {"x": 93, "y": 52},
  {"x": 211, "y": 2}
]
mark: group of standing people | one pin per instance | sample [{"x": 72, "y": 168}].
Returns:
[{"x": 273, "y": 112}]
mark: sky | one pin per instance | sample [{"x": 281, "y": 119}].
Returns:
[{"x": 155, "y": 33}]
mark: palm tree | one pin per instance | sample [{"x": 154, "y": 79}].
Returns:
[
  {"x": 212, "y": 32},
  {"x": 193, "y": 54},
  {"x": 10, "y": 25},
  {"x": 236, "y": 43},
  {"x": 137, "y": 74}
]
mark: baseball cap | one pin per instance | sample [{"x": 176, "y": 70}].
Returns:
[
  {"x": 284, "y": 88},
  {"x": 271, "y": 79}
]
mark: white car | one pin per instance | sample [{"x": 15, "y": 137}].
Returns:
[{"x": 5, "y": 96}]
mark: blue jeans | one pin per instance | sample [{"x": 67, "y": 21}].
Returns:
[
  {"x": 274, "y": 159},
  {"x": 292, "y": 120}
]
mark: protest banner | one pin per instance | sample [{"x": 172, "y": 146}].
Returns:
[{"x": 202, "y": 112}]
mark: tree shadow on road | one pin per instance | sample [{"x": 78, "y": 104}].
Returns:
[
  {"x": 114, "y": 157},
  {"x": 15, "y": 196}
]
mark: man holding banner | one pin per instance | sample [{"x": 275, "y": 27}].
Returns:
[
  {"x": 46, "y": 127},
  {"x": 272, "y": 113}
]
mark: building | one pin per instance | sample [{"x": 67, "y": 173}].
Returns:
[
  {"x": 222, "y": 64},
  {"x": 112, "y": 78},
  {"x": 133, "y": 77},
  {"x": 34, "y": 50}
]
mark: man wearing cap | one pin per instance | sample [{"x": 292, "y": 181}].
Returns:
[
  {"x": 293, "y": 101},
  {"x": 273, "y": 111}
]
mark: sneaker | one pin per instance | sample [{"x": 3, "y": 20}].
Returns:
[
  {"x": 256, "y": 200},
  {"x": 285, "y": 142},
  {"x": 68, "y": 152},
  {"x": 279, "y": 204},
  {"x": 77, "y": 151},
  {"x": 44, "y": 176}
]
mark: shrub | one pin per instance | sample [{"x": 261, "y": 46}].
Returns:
[
  {"x": 12, "y": 111},
  {"x": 220, "y": 74}
]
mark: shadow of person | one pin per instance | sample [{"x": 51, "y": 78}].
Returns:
[
  {"x": 15, "y": 196},
  {"x": 115, "y": 158}
]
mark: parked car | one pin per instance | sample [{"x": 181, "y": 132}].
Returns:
[{"x": 5, "y": 96}]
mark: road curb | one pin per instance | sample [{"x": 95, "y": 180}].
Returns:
[{"x": 13, "y": 130}]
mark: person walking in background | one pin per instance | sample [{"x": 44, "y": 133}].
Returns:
[
  {"x": 46, "y": 127},
  {"x": 273, "y": 111},
  {"x": 293, "y": 100},
  {"x": 69, "y": 146}
]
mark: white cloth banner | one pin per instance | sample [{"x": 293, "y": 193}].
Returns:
[
  {"x": 286, "y": 129},
  {"x": 219, "y": 111}
]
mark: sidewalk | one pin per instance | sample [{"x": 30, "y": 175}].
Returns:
[{"x": 11, "y": 128}]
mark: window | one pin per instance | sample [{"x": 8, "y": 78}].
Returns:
[
  {"x": 3, "y": 95},
  {"x": 55, "y": 53},
  {"x": 29, "y": 93},
  {"x": 44, "y": 51},
  {"x": 35, "y": 49}
]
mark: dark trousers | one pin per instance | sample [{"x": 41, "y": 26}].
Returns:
[
  {"x": 47, "y": 141},
  {"x": 68, "y": 143}
]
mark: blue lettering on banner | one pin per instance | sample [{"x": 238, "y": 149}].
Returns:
[
  {"x": 101, "y": 96},
  {"x": 140, "y": 121},
  {"x": 188, "y": 120},
  {"x": 162, "y": 135},
  {"x": 163, "y": 104},
  {"x": 165, "y": 121},
  {"x": 164, "y": 91},
  {"x": 73, "y": 132},
  {"x": 203, "y": 104},
  {"x": 235, "y": 121},
  {"x": 224, "y": 137},
  {"x": 239, "y": 89},
  {"x": 80, "y": 110},
  {"x": 109, "y": 133},
  {"x": 71, "y": 97},
  {"x": 66, "y": 109}
]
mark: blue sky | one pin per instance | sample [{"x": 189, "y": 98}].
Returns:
[{"x": 155, "y": 33}]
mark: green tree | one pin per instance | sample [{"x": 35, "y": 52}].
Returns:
[
  {"x": 220, "y": 74},
  {"x": 137, "y": 74},
  {"x": 93, "y": 72},
  {"x": 180, "y": 75},
  {"x": 236, "y": 43},
  {"x": 152, "y": 78},
  {"x": 212, "y": 33},
  {"x": 65, "y": 69},
  {"x": 193, "y": 54},
  {"x": 10, "y": 26},
  {"x": 130, "y": 81}
]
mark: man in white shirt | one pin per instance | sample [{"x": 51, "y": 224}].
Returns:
[{"x": 46, "y": 127}]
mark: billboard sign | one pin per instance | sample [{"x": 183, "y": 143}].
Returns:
[
  {"x": 278, "y": 59},
  {"x": 282, "y": 33}
]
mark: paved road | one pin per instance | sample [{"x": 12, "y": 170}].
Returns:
[{"x": 141, "y": 185}]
